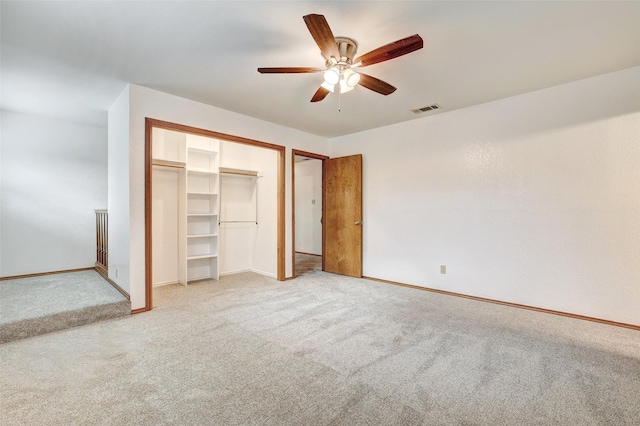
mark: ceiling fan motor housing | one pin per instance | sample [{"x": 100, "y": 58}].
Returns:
[{"x": 347, "y": 48}]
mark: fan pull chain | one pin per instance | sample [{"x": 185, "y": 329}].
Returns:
[{"x": 339, "y": 101}]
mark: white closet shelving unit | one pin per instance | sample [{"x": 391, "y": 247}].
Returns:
[
  {"x": 205, "y": 217},
  {"x": 199, "y": 247}
]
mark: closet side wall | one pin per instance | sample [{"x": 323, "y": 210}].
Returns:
[
  {"x": 165, "y": 200},
  {"x": 265, "y": 247}
]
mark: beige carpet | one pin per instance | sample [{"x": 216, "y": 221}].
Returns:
[
  {"x": 46, "y": 303},
  {"x": 323, "y": 350}
]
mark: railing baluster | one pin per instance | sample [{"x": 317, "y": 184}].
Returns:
[{"x": 101, "y": 242}]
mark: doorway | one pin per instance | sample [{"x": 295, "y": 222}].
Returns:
[{"x": 308, "y": 212}]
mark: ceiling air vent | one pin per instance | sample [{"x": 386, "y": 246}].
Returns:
[{"x": 427, "y": 108}]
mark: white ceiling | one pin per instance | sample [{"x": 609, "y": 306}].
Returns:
[{"x": 72, "y": 59}]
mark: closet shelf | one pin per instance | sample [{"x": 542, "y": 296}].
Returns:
[
  {"x": 167, "y": 163},
  {"x": 202, "y": 256},
  {"x": 202, "y": 235},
  {"x": 202, "y": 150},
  {"x": 202, "y": 172},
  {"x": 201, "y": 193}
]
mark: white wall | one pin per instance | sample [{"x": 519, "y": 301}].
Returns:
[
  {"x": 1, "y": 114},
  {"x": 533, "y": 199},
  {"x": 119, "y": 193},
  {"x": 54, "y": 175},
  {"x": 144, "y": 102},
  {"x": 308, "y": 199}
]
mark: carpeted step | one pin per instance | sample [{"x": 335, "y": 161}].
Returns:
[{"x": 47, "y": 303}]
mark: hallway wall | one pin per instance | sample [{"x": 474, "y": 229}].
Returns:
[{"x": 53, "y": 177}]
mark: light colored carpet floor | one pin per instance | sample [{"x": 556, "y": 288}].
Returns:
[
  {"x": 42, "y": 304},
  {"x": 323, "y": 350}
]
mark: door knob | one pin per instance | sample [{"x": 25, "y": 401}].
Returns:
[{"x": 358, "y": 222}]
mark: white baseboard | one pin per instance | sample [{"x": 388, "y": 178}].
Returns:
[
  {"x": 268, "y": 274},
  {"x": 239, "y": 271},
  {"x": 165, "y": 283}
]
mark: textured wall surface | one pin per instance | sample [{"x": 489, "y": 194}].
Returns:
[{"x": 533, "y": 199}]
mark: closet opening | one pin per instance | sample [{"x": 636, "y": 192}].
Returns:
[
  {"x": 214, "y": 205},
  {"x": 308, "y": 229}
]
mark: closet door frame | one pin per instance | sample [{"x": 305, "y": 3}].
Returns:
[{"x": 150, "y": 123}]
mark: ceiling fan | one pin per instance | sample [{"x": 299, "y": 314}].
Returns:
[{"x": 340, "y": 65}]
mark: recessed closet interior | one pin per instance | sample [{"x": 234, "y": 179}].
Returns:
[{"x": 214, "y": 208}]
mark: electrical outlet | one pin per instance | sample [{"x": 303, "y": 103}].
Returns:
[
  {"x": 443, "y": 269},
  {"x": 313, "y": 202}
]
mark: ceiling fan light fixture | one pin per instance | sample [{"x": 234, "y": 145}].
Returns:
[
  {"x": 329, "y": 87},
  {"x": 351, "y": 78},
  {"x": 344, "y": 86},
  {"x": 332, "y": 75}
]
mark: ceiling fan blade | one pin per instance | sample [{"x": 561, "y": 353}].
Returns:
[
  {"x": 391, "y": 50},
  {"x": 288, "y": 70},
  {"x": 321, "y": 33},
  {"x": 320, "y": 94},
  {"x": 376, "y": 84}
]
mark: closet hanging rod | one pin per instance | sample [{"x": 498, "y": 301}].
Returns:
[{"x": 240, "y": 172}]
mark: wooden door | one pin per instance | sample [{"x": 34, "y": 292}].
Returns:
[{"x": 343, "y": 216}]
